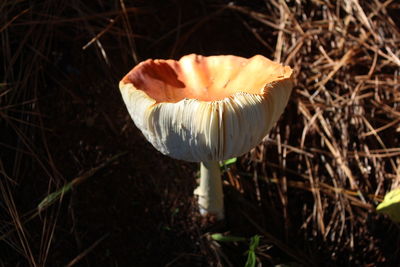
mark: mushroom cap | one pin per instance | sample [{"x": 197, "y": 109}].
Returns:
[{"x": 206, "y": 108}]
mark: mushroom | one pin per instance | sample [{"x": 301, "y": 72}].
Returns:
[{"x": 206, "y": 109}]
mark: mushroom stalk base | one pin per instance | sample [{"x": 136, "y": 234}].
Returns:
[{"x": 209, "y": 192}]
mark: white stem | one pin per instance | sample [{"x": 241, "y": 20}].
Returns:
[{"x": 209, "y": 192}]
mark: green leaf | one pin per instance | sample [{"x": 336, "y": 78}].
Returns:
[
  {"x": 227, "y": 162},
  {"x": 227, "y": 238},
  {"x": 166, "y": 228},
  {"x": 254, "y": 241},
  {"x": 174, "y": 212},
  {"x": 251, "y": 259},
  {"x": 251, "y": 253},
  {"x": 53, "y": 197},
  {"x": 391, "y": 205}
]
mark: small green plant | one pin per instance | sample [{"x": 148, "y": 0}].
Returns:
[
  {"x": 391, "y": 205},
  {"x": 53, "y": 197},
  {"x": 57, "y": 195},
  {"x": 227, "y": 238},
  {"x": 226, "y": 163},
  {"x": 251, "y": 253}
]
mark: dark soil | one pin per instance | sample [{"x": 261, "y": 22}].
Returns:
[{"x": 139, "y": 210}]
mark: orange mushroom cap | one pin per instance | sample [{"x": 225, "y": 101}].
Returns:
[{"x": 206, "y": 108}]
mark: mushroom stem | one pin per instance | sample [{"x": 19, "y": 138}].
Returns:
[{"x": 209, "y": 192}]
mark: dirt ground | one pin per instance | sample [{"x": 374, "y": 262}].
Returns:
[{"x": 63, "y": 119}]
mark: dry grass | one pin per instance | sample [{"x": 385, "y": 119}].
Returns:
[
  {"x": 343, "y": 146},
  {"x": 309, "y": 190}
]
